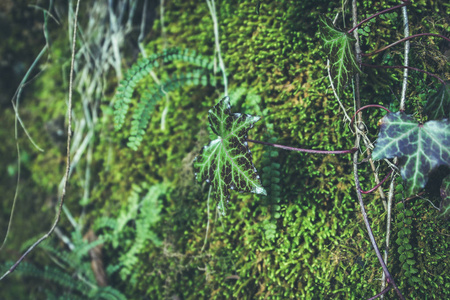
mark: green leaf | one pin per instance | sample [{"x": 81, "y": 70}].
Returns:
[
  {"x": 340, "y": 50},
  {"x": 420, "y": 148},
  {"x": 438, "y": 104},
  {"x": 226, "y": 162},
  {"x": 445, "y": 195}
]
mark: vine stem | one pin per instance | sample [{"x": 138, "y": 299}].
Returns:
[
  {"x": 358, "y": 109},
  {"x": 389, "y": 277},
  {"x": 379, "y": 184},
  {"x": 406, "y": 68},
  {"x": 367, "y": 106},
  {"x": 402, "y": 108},
  {"x": 304, "y": 150},
  {"x": 377, "y": 14},
  {"x": 406, "y": 39},
  {"x": 66, "y": 175}
]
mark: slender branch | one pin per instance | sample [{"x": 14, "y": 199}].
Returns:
[
  {"x": 379, "y": 184},
  {"x": 367, "y": 106},
  {"x": 388, "y": 225},
  {"x": 335, "y": 93},
  {"x": 406, "y": 59},
  {"x": 377, "y": 14},
  {"x": 366, "y": 220},
  {"x": 380, "y": 294},
  {"x": 355, "y": 156},
  {"x": 405, "y": 67},
  {"x": 303, "y": 150},
  {"x": 405, "y": 39},
  {"x": 66, "y": 175},
  {"x": 357, "y": 97}
]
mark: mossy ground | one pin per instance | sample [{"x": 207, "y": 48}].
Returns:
[{"x": 317, "y": 247}]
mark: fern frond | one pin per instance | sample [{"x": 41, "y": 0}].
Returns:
[
  {"x": 103, "y": 223},
  {"x": 106, "y": 293},
  {"x": 54, "y": 275},
  {"x": 142, "y": 114},
  {"x": 141, "y": 69}
]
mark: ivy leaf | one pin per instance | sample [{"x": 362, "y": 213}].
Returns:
[
  {"x": 445, "y": 195},
  {"x": 340, "y": 50},
  {"x": 420, "y": 148},
  {"x": 226, "y": 162},
  {"x": 438, "y": 104}
]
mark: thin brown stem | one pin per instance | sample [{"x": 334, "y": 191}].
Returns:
[
  {"x": 367, "y": 106},
  {"x": 405, "y": 67},
  {"x": 405, "y": 39},
  {"x": 378, "y": 185},
  {"x": 66, "y": 175},
  {"x": 384, "y": 291},
  {"x": 366, "y": 221}
]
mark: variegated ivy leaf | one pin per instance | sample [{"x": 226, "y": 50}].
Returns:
[
  {"x": 226, "y": 162},
  {"x": 419, "y": 147},
  {"x": 438, "y": 104},
  {"x": 445, "y": 195},
  {"x": 340, "y": 47}
]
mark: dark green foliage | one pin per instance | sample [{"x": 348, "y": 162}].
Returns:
[
  {"x": 420, "y": 147},
  {"x": 438, "y": 104},
  {"x": 143, "y": 210},
  {"x": 405, "y": 249},
  {"x": 71, "y": 277},
  {"x": 271, "y": 177}
]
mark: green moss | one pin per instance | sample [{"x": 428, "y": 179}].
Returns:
[{"x": 317, "y": 246}]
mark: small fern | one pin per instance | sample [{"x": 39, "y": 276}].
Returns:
[
  {"x": 143, "y": 209},
  {"x": 405, "y": 248},
  {"x": 141, "y": 69},
  {"x": 271, "y": 178},
  {"x": 72, "y": 273},
  {"x": 142, "y": 114}
]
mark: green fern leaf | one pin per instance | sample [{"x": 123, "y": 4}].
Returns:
[
  {"x": 142, "y": 114},
  {"x": 141, "y": 69},
  {"x": 226, "y": 163},
  {"x": 420, "y": 148},
  {"x": 340, "y": 50}
]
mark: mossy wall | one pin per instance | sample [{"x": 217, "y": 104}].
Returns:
[{"x": 305, "y": 240}]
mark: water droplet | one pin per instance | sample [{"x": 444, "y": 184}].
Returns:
[
  {"x": 208, "y": 181},
  {"x": 245, "y": 144}
]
